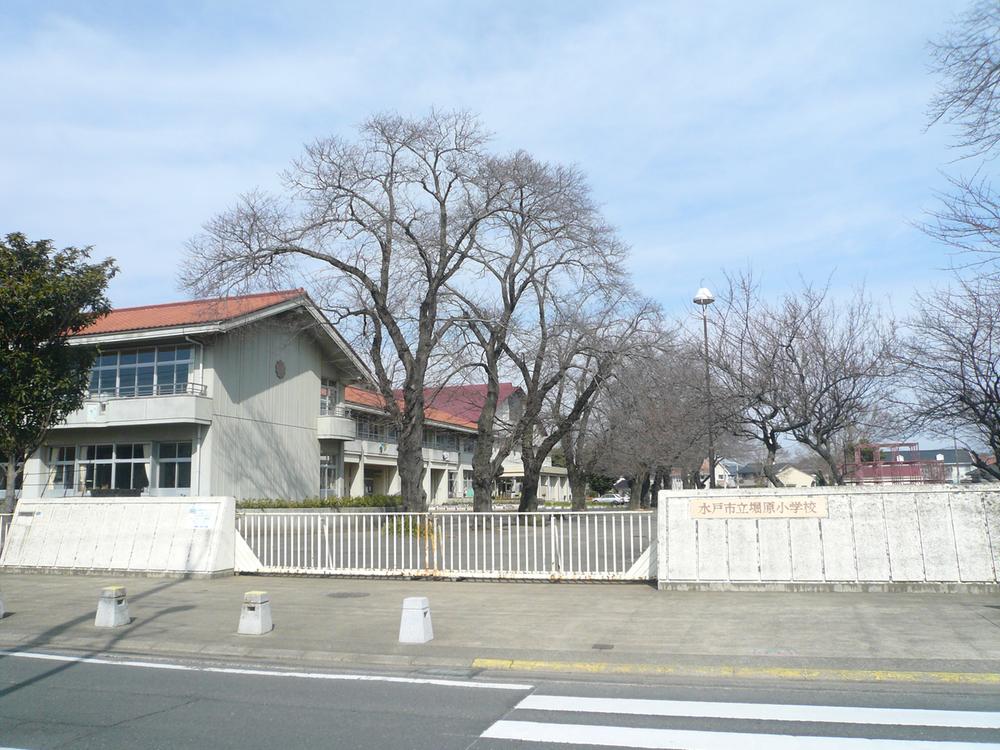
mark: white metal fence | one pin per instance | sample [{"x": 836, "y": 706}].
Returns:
[{"x": 550, "y": 545}]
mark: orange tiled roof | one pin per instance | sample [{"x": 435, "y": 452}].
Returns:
[
  {"x": 364, "y": 397},
  {"x": 192, "y": 312}
]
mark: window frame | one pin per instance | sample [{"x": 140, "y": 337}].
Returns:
[
  {"x": 176, "y": 461},
  {"x": 106, "y": 374}
]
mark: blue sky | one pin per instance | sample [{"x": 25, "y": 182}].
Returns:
[{"x": 785, "y": 135}]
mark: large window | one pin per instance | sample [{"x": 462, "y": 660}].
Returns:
[
  {"x": 441, "y": 439},
  {"x": 375, "y": 428},
  {"x": 154, "y": 371},
  {"x": 174, "y": 466},
  {"x": 127, "y": 468},
  {"x": 119, "y": 466}
]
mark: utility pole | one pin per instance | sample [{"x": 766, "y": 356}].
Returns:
[{"x": 704, "y": 298}]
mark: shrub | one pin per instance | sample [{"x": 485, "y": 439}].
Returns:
[{"x": 366, "y": 501}]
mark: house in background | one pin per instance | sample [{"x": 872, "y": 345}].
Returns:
[
  {"x": 730, "y": 473},
  {"x": 906, "y": 463},
  {"x": 793, "y": 476},
  {"x": 733, "y": 474},
  {"x": 253, "y": 396}
]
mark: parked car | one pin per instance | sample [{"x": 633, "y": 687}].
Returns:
[{"x": 612, "y": 498}]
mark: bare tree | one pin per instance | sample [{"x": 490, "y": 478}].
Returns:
[
  {"x": 377, "y": 227},
  {"x": 588, "y": 332},
  {"x": 952, "y": 359},
  {"x": 547, "y": 240},
  {"x": 653, "y": 419},
  {"x": 579, "y": 442},
  {"x": 841, "y": 372},
  {"x": 967, "y": 57},
  {"x": 805, "y": 367},
  {"x": 751, "y": 377}
]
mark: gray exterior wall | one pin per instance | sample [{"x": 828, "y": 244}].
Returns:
[{"x": 263, "y": 440}]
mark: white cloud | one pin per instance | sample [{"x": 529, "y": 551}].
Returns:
[{"x": 787, "y": 133}]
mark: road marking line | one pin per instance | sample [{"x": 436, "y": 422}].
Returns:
[
  {"x": 686, "y": 739},
  {"x": 732, "y": 671},
  {"x": 269, "y": 673},
  {"x": 765, "y": 711}
]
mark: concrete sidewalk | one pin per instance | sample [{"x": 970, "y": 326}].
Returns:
[{"x": 559, "y": 628}]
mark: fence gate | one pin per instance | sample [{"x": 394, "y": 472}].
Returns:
[{"x": 545, "y": 546}]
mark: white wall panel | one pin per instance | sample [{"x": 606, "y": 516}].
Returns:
[
  {"x": 879, "y": 535},
  {"x": 903, "y": 536},
  {"x": 839, "y": 557}
]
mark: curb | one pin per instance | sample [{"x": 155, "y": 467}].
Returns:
[{"x": 741, "y": 672}]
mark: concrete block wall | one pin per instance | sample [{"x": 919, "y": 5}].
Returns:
[{"x": 873, "y": 537}]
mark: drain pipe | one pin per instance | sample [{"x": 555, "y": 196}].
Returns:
[
  {"x": 201, "y": 360},
  {"x": 201, "y": 381}
]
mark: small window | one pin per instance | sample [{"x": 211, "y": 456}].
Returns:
[{"x": 175, "y": 465}]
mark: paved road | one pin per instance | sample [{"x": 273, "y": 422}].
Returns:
[{"x": 66, "y": 703}]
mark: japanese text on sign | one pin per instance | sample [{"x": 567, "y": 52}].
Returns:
[{"x": 809, "y": 507}]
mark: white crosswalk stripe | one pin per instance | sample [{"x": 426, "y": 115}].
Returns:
[
  {"x": 658, "y": 711},
  {"x": 764, "y": 711}
]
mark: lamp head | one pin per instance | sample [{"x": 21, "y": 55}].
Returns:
[{"x": 703, "y": 297}]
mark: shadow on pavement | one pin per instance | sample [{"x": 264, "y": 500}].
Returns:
[{"x": 44, "y": 638}]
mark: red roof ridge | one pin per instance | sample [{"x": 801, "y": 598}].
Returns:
[
  {"x": 287, "y": 292},
  {"x": 190, "y": 312}
]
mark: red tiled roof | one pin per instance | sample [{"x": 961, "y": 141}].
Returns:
[
  {"x": 191, "y": 312},
  {"x": 464, "y": 401},
  {"x": 364, "y": 397}
]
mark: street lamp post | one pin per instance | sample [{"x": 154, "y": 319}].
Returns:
[{"x": 704, "y": 298}]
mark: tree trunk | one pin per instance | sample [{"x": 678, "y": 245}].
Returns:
[
  {"x": 990, "y": 470},
  {"x": 529, "y": 487},
  {"x": 836, "y": 476},
  {"x": 577, "y": 485},
  {"x": 9, "y": 493},
  {"x": 768, "y": 467},
  {"x": 482, "y": 490},
  {"x": 410, "y": 461},
  {"x": 647, "y": 487},
  {"x": 635, "y": 491},
  {"x": 483, "y": 463}
]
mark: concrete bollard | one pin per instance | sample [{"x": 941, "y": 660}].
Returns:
[
  {"x": 112, "y": 608},
  {"x": 255, "y": 617},
  {"x": 415, "y": 624}
]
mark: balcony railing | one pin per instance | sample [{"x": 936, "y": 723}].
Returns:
[
  {"x": 145, "y": 391},
  {"x": 336, "y": 410}
]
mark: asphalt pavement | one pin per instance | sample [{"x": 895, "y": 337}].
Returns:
[
  {"x": 83, "y": 703},
  {"x": 539, "y": 629}
]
